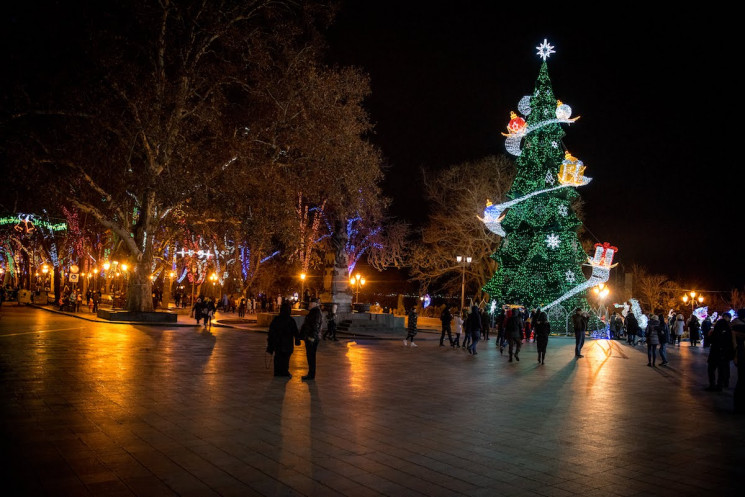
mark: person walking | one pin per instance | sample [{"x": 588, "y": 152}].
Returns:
[
  {"x": 705, "y": 331},
  {"x": 458, "y": 320},
  {"x": 411, "y": 328},
  {"x": 721, "y": 352},
  {"x": 663, "y": 333},
  {"x": 693, "y": 330},
  {"x": 445, "y": 318},
  {"x": 310, "y": 332},
  {"x": 616, "y": 325},
  {"x": 678, "y": 328},
  {"x": 485, "y": 324},
  {"x": 331, "y": 324},
  {"x": 466, "y": 332},
  {"x": 208, "y": 312},
  {"x": 197, "y": 308},
  {"x": 282, "y": 338},
  {"x": 474, "y": 329},
  {"x": 514, "y": 332},
  {"x": 242, "y": 308},
  {"x": 542, "y": 329},
  {"x": 579, "y": 323},
  {"x": 738, "y": 337},
  {"x": 653, "y": 339}
]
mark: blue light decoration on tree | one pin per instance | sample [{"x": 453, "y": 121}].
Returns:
[{"x": 540, "y": 258}]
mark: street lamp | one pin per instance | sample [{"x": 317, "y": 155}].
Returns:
[
  {"x": 693, "y": 299},
  {"x": 357, "y": 280},
  {"x": 213, "y": 279},
  {"x": 302, "y": 289},
  {"x": 464, "y": 260}
]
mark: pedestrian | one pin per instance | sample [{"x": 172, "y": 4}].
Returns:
[
  {"x": 678, "y": 327},
  {"x": 242, "y": 308},
  {"x": 485, "y": 324},
  {"x": 445, "y": 318},
  {"x": 209, "y": 312},
  {"x": 331, "y": 324},
  {"x": 411, "y": 328},
  {"x": 282, "y": 338},
  {"x": 705, "y": 329},
  {"x": 693, "y": 330},
  {"x": 579, "y": 322},
  {"x": 197, "y": 308},
  {"x": 513, "y": 330},
  {"x": 632, "y": 329},
  {"x": 542, "y": 329},
  {"x": 663, "y": 333},
  {"x": 78, "y": 301},
  {"x": 466, "y": 332},
  {"x": 653, "y": 339},
  {"x": 738, "y": 336},
  {"x": 458, "y": 320},
  {"x": 474, "y": 328},
  {"x": 721, "y": 352},
  {"x": 616, "y": 325},
  {"x": 311, "y": 334},
  {"x": 501, "y": 324}
]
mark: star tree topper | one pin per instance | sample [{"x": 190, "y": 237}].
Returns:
[{"x": 545, "y": 50}]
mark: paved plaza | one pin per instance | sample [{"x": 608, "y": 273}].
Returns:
[{"x": 101, "y": 409}]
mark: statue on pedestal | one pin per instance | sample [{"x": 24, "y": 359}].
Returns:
[{"x": 336, "y": 272}]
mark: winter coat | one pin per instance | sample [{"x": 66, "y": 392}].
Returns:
[
  {"x": 446, "y": 317},
  {"x": 474, "y": 322},
  {"x": 542, "y": 326},
  {"x": 579, "y": 322},
  {"x": 663, "y": 332},
  {"x": 458, "y": 324},
  {"x": 632, "y": 325},
  {"x": 311, "y": 328},
  {"x": 680, "y": 325},
  {"x": 412, "y": 322},
  {"x": 720, "y": 342},
  {"x": 651, "y": 332},
  {"x": 283, "y": 334},
  {"x": 693, "y": 328},
  {"x": 514, "y": 326}
]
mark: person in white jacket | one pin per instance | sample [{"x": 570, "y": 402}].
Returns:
[
  {"x": 678, "y": 328},
  {"x": 458, "y": 329}
]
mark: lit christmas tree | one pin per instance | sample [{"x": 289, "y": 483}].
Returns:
[{"x": 540, "y": 257}]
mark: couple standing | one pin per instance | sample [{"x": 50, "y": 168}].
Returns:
[{"x": 284, "y": 335}]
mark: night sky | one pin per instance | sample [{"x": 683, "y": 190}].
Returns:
[{"x": 655, "y": 93}]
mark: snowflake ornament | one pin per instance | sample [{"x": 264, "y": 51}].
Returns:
[
  {"x": 570, "y": 277},
  {"x": 563, "y": 210},
  {"x": 550, "y": 178},
  {"x": 552, "y": 241},
  {"x": 554, "y": 144},
  {"x": 545, "y": 50}
]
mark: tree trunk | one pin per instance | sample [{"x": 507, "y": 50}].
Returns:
[{"x": 140, "y": 289}]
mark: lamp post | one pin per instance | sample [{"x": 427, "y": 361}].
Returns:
[
  {"x": 601, "y": 291},
  {"x": 693, "y": 299},
  {"x": 302, "y": 289},
  {"x": 213, "y": 279},
  {"x": 357, "y": 280},
  {"x": 464, "y": 260}
]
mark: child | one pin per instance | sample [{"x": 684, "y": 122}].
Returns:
[{"x": 458, "y": 329}]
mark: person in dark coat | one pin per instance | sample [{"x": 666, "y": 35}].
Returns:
[
  {"x": 738, "y": 336},
  {"x": 579, "y": 322},
  {"x": 197, "y": 310},
  {"x": 311, "y": 334},
  {"x": 653, "y": 339},
  {"x": 282, "y": 338},
  {"x": 721, "y": 352},
  {"x": 445, "y": 318},
  {"x": 474, "y": 328},
  {"x": 632, "y": 328},
  {"x": 411, "y": 328},
  {"x": 513, "y": 328},
  {"x": 331, "y": 324},
  {"x": 705, "y": 329},
  {"x": 542, "y": 329},
  {"x": 663, "y": 332},
  {"x": 693, "y": 330}
]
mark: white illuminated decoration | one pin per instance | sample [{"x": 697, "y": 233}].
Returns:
[
  {"x": 554, "y": 144},
  {"x": 517, "y": 130},
  {"x": 494, "y": 213},
  {"x": 563, "y": 210},
  {"x": 570, "y": 276},
  {"x": 553, "y": 241},
  {"x": 545, "y": 50},
  {"x": 641, "y": 318},
  {"x": 550, "y": 178},
  {"x": 601, "y": 265},
  {"x": 523, "y": 106}
]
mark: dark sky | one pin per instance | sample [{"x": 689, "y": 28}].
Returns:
[{"x": 656, "y": 94}]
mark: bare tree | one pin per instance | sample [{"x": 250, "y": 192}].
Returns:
[{"x": 457, "y": 197}]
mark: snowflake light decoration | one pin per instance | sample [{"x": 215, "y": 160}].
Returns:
[
  {"x": 550, "y": 178},
  {"x": 563, "y": 210},
  {"x": 554, "y": 144},
  {"x": 552, "y": 241},
  {"x": 570, "y": 276},
  {"x": 545, "y": 50}
]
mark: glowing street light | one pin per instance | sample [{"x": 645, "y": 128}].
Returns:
[
  {"x": 302, "y": 288},
  {"x": 693, "y": 299},
  {"x": 359, "y": 281},
  {"x": 464, "y": 260}
]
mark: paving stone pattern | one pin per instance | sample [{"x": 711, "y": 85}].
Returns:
[{"x": 93, "y": 408}]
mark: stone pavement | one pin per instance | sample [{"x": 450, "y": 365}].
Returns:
[{"x": 94, "y": 408}]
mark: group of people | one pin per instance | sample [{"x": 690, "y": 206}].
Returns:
[{"x": 204, "y": 310}]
